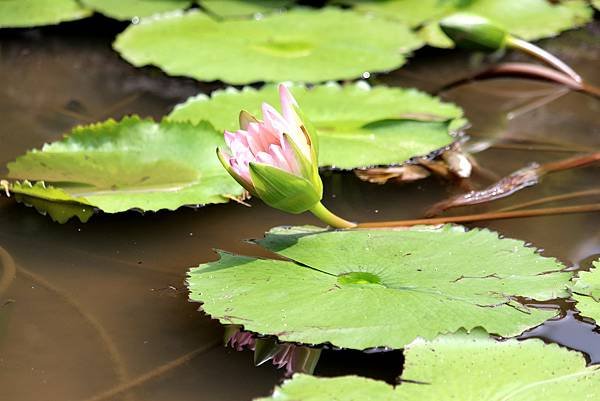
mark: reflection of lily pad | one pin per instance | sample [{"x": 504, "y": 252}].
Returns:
[
  {"x": 299, "y": 45},
  {"x": 127, "y": 9},
  {"x": 529, "y": 19},
  {"x": 467, "y": 368},
  {"x": 423, "y": 281},
  {"x": 131, "y": 164},
  {"x": 242, "y": 8},
  {"x": 587, "y": 293},
  {"x": 358, "y": 125},
  {"x": 26, "y": 13}
]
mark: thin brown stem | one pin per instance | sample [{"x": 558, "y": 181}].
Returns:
[
  {"x": 105, "y": 338},
  {"x": 566, "y": 164},
  {"x": 153, "y": 374},
  {"x": 533, "y": 147},
  {"x": 8, "y": 270},
  {"x": 587, "y": 208},
  {"x": 507, "y": 186},
  {"x": 554, "y": 198}
]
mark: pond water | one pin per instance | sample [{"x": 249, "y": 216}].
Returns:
[{"x": 99, "y": 311}]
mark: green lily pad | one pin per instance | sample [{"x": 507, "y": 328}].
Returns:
[
  {"x": 127, "y": 9},
  {"x": 369, "y": 288},
  {"x": 243, "y": 8},
  {"x": 587, "y": 293},
  {"x": 27, "y": 13},
  {"x": 131, "y": 164},
  {"x": 467, "y": 368},
  {"x": 300, "y": 45},
  {"x": 358, "y": 126},
  {"x": 529, "y": 19}
]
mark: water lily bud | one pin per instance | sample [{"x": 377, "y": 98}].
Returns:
[
  {"x": 276, "y": 158},
  {"x": 474, "y": 32}
]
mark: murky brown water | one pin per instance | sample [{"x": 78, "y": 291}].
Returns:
[{"x": 98, "y": 306}]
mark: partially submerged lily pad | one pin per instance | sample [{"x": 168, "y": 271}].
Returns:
[
  {"x": 358, "y": 125},
  {"x": 243, "y": 8},
  {"x": 131, "y": 164},
  {"x": 371, "y": 288},
  {"x": 300, "y": 45},
  {"x": 467, "y": 368},
  {"x": 529, "y": 19},
  {"x": 27, "y": 13},
  {"x": 586, "y": 292},
  {"x": 128, "y": 9}
]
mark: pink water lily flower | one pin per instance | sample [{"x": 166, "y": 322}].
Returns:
[
  {"x": 269, "y": 141},
  {"x": 276, "y": 159}
]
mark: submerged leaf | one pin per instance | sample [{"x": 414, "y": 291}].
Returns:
[
  {"x": 587, "y": 292},
  {"x": 27, "y": 13},
  {"x": 358, "y": 125},
  {"x": 131, "y": 164},
  {"x": 467, "y": 368},
  {"x": 300, "y": 45},
  {"x": 127, "y": 9},
  {"x": 529, "y": 19},
  {"x": 369, "y": 288}
]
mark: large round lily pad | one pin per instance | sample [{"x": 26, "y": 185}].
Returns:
[
  {"x": 466, "y": 368},
  {"x": 587, "y": 293},
  {"x": 368, "y": 288},
  {"x": 358, "y": 125},
  {"x": 301, "y": 45},
  {"x": 131, "y": 164},
  {"x": 27, "y": 13}
]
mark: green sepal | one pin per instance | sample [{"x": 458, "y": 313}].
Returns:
[
  {"x": 264, "y": 350},
  {"x": 245, "y": 119},
  {"x": 230, "y": 331},
  {"x": 232, "y": 173},
  {"x": 283, "y": 190},
  {"x": 305, "y": 359},
  {"x": 308, "y": 168},
  {"x": 474, "y": 32},
  {"x": 309, "y": 129}
]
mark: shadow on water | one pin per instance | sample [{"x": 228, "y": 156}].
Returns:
[{"x": 99, "y": 311}]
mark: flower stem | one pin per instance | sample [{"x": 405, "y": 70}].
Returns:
[
  {"x": 543, "y": 55},
  {"x": 329, "y": 218},
  {"x": 587, "y": 208}
]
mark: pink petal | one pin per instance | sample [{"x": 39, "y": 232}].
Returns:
[
  {"x": 266, "y": 158},
  {"x": 287, "y": 106},
  {"x": 289, "y": 155},
  {"x": 241, "y": 169},
  {"x": 274, "y": 121},
  {"x": 279, "y": 159}
]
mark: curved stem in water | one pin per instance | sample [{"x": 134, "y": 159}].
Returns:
[{"x": 543, "y": 55}]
